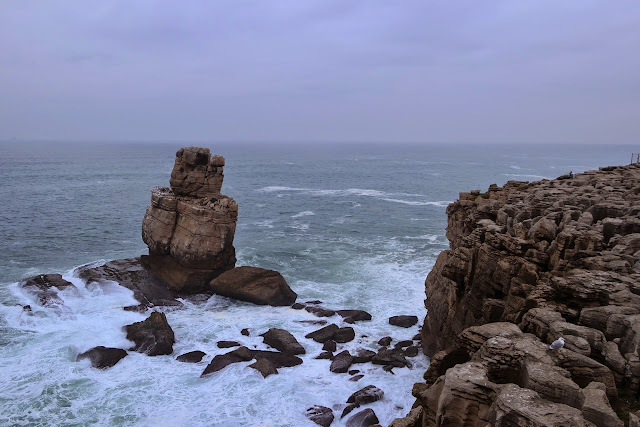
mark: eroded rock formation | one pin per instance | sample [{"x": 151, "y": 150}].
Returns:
[
  {"x": 532, "y": 262},
  {"x": 189, "y": 228}
]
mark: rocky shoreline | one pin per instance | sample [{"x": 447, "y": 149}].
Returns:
[{"x": 529, "y": 263}]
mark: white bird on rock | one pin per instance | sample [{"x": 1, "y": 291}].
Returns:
[{"x": 557, "y": 344}]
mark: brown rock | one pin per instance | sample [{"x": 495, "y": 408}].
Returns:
[
  {"x": 323, "y": 334},
  {"x": 152, "y": 336},
  {"x": 351, "y": 316},
  {"x": 344, "y": 335},
  {"x": 365, "y": 418},
  {"x": 191, "y": 357},
  {"x": 278, "y": 359},
  {"x": 403, "y": 321},
  {"x": 282, "y": 340},
  {"x": 227, "y": 344},
  {"x": 42, "y": 285},
  {"x": 255, "y": 285},
  {"x": 265, "y": 367},
  {"x": 103, "y": 357},
  {"x": 596, "y": 407},
  {"x": 320, "y": 415},
  {"x": 341, "y": 362},
  {"x": 368, "y": 394},
  {"x": 220, "y": 361}
]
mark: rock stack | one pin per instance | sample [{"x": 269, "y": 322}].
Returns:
[
  {"x": 529, "y": 263},
  {"x": 189, "y": 228}
]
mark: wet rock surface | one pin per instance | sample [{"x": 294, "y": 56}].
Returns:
[
  {"x": 283, "y": 341},
  {"x": 45, "y": 286},
  {"x": 191, "y": 357},
  {"x": 152, "y": 336},
  {"x": 242, "y": 354},
  {"x": 255, "y": 285},
  {"x": 529, "y": 263},
  {"x": 320, "y": 415},
  {"x": 103, "y": 357}
]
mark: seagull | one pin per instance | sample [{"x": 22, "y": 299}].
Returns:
[{"x": 557, "y": 344}]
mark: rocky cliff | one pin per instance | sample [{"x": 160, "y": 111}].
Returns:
[
  {"x": 529, "y": 263},
  {"x": 189, "y": 228}
]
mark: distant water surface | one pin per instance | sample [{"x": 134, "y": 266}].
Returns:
[{"x": 356, "y": 226}]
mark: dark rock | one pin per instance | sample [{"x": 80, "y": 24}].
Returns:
[
  {"x": 343, "y": 335},
  {"x": 325, "y": 355},
  {"x": 347, "y": 410},
  {"x": 403, "y": 321},
  {"x": 388, "y": 368},
  {"x": 363, "y": 355},
  {"x": 417, "y": 337},
  {"x": 278, "y": 359},
  {"x": 315, "y": 301},
  {"x": 329, "y": 345},
  {"x": 323, "y": 334},
  {"x": 255, "y": 285},
  {"x": 265, "y": 367},
  {"x": 364, "y": 418},
  {"x": 298, "y": 306},
  {"x": 191, "y": 357},
  {"x": 312, "y": 322},
  {"x": 368, "y": 394},
  {"x": 245, "y": 332},
  {"x": 384, "y": 342},
  {"x": 103, "y": 357},
  {"x": 402, "y": 344},
  {"x": 354, "y": 315},
  {"x": 135, "y": 275},
  {"x": 228, "y": 344},
  {"x": 319, "y": 311},
  {"x": 389, "y": 357},
  {"x": 320, "y": 415},
  {"x": 356, "y": 378},
  {"x": 26, "y": 308},
  {"x": 220, "y": 361},
  {"x": 353, "y": 371},
  {"x": 140, "y": 308},
  {"x": 152, "y": 336},
  {"x": 282, "y": 340},
  {"x": 41, "y": 286},
  {"x": 341, "y": 362},
  {"x": 411, "y": 351}
]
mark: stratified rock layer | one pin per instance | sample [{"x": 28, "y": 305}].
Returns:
[
  {"x": 532, "y": 262},
  {"x": 189, "y": 228}
]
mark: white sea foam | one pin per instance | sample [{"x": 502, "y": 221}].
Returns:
[
  {"x": 518, "y": 175},
  {"x": 364, "y": 192},
  {"x": 301, "y": 214},
  {"x": 440, "y": 204}
]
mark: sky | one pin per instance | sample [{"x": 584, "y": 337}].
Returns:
[{"x": 503, "y": 71}]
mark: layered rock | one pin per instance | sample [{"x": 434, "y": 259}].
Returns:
[
  {"x": 544, "y": 260},
  {"x": 189, "y": 228}
]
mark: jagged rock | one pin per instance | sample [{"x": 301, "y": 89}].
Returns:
[
  {"x": 41, "y": 286},
  {"x": 282, "y": 340},
  {"x": 341, "y": 362},
  {"x": 265, "y": 367},
  {"x": 152, "y": 336},
  {"x": 363, "y": 355},
  {"x": 389, "y": 357},
  {"x": 320, "y": 415},
  {"x": 255, "y": 285},
  {"x": 365, "y": 418},
  {"x": 596, "y": 407},
  {"x": 220, "y": 361},
  {"x": 135, "y": 275},
  {"x": 403, "y": 344},
  {"x": 278, "y": 359},
  {"x": 411, "y": 420},
  {"x": 356, "y": 377},
  {"x": 344, "y": 335},
  {"x": 323, "y": 334},
  {"x": 319, "y": 311},
  {"x": 325, "y": 355},
  {"x": 368, "y": 394},
  {"x": 227, "y": 344},
  {"x": 329, "y": 345},
  {"x": 191, "y": 357},
  {"x": 103, "y": 357},
  {"x": 411, "y": 351},
  {"x": 189, "y": 228},
  {"x": 403, "y": 321}
]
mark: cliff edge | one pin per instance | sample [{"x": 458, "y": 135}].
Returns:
[{"x": 529, "y": 263}]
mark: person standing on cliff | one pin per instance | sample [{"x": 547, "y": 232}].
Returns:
[{"x": 570, "y": 174}]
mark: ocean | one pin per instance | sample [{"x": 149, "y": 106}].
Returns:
[{"x": 353, "y": 225}]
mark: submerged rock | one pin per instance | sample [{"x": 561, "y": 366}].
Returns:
[
  {"x": 103, "y": 357},
  {"x": 191, "y": 357},
  {"x": 255, "y": 285},
  {"x": 152, "y": 336}
]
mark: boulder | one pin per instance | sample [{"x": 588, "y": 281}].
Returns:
[
  {"x": 365, "y": 418},
  {"x": 319, "y": 311},
  {"x": 227, "y": 344},
  {"x": 282, "y": 340},
  {"x": 389, "y": 357},
  {"x": 329, "y": 345},
  {"x": 191, "y": 357},
  {"x": 403, "y": 321},
  {"x": 368, "y": 394},
  {"x": 103, "y": 357},
  {"x": 323, "y": 334},
  {"x": 344, "y": 335},
  {"x": 278, "y": 359},
  {"x": 255, "y": 285},
  {"x": 351, "y": 316},
  {"x": 220, "y": 361},
  {"x": 363, "y": 355},
  {"x": 596, "y": 407},
  {"x": 152, "y": 336},
  {"x": 384, "y": 342},
  {"x": 320, "y": 415},
  {"x": 341, "y": 362},
  {"x": 265, "y": 367},
  {"x": 41, "y": 286},
  {"x": 189, "y": 228}
]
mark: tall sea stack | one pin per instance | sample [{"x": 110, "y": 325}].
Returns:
[{"x": 189, "y": 228}]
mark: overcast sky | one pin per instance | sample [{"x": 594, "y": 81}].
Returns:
[{"x": 321, "y": 70}]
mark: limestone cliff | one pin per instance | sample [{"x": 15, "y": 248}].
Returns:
[
  {"x": 189, "y": 228},
  {"x": 529, "y": 263}
]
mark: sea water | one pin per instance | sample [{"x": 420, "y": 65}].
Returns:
[{"x": 355, "y": 226}]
